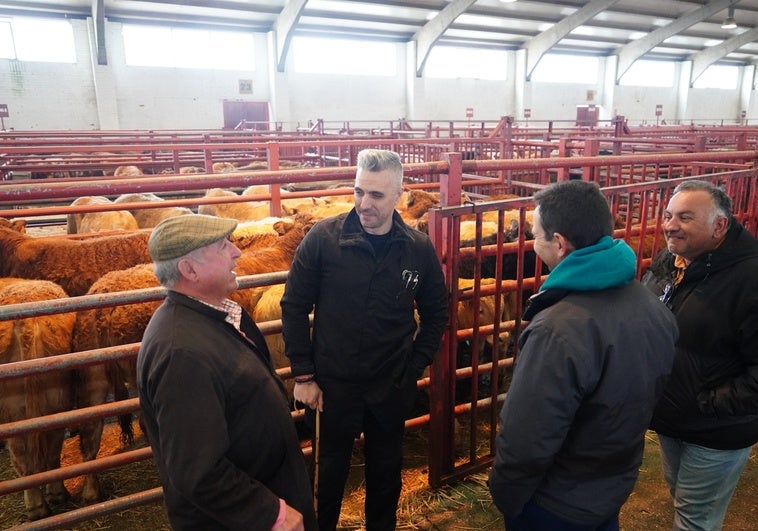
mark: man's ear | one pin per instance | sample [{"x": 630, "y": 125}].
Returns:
[
  {"x": 565, "y": 247},
  {"x": 720, "y": 226},
  {"x": 187, "y": 269}
]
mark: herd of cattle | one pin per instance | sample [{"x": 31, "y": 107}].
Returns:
[{"x": 55, "y": 267}]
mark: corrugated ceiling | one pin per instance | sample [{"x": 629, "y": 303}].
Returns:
[{"x": 631, "y": 29}]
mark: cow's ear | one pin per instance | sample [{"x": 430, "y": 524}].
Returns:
[{"x": 19, "y": 225}]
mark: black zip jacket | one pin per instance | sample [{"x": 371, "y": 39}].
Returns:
[
  {"x": 712, "y": 396},
  {"x": 364, "y": 331}
]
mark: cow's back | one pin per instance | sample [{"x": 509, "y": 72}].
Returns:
[{"x": 73, "y": 264}]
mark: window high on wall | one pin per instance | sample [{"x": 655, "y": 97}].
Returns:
[
  {"x": 560, "y": 68},
  {"x": 315, "y": 55},
  {"x": 188, "y": 48},
  {"x": 718, "y": 77},
  {"x": 477, "y": 63},
  {"x": 650, "y": 74},
  {"x": 37, "y": 39},
  {"x": 7, "y": 50}
]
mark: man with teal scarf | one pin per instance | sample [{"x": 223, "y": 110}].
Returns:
[{"x": 592, "y": 363}]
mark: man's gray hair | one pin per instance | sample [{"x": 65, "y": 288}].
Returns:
[
  {"x": 167, "y": 272},
  {"x": 722, "y": 203},
  {"x": 376, "y": 160}
]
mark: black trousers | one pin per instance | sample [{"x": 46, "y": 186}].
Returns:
[{"x": 383, "y": 450}]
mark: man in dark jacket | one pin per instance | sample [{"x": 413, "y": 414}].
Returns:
[
  {"x": 215, "y": 412},
  {"x": 592, "y": 363},
  {"x": 362, "y": 272},
  {"x": 707, "y": 420}
]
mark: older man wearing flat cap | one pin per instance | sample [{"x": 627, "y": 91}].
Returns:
[{"x": 214, "y": 410}]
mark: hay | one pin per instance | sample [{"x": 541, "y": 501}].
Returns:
[
  {"x": 464, "y": 505},
  {"x": 115, "y": 483}
]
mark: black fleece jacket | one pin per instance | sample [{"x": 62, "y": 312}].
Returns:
[{"x": 712, "y": 396}]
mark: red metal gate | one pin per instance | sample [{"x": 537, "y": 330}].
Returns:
[
  {"x": 461, "y": 447},
  {"x": 636, "y": 193}
]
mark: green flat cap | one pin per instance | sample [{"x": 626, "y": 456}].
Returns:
[{"x": 177, "y": 236}]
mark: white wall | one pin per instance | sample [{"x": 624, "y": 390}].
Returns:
[
  {"x": 639, "y": 103},
  {"x": 51, "y": 95},
  {"x": 115, "y": 96},
  {"x": 448, "y": 99},
  {"x": 556, "y": 101},
  {"x": 713, "y": 104},
  {"x": 179, "y": 98},
  {"x": 349, "y": 97}
]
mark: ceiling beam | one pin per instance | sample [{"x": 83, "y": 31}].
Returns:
[
  {"x": 705, "y": 58},
  {"x": 634, "y": 50},
  {"x": 98, "y": 22},
  {"x": 433, "y": 30},
  {"x": 284, "y": 28},
  {"x": 231, "y": 6},
  {"x": 537, "y": 46}
]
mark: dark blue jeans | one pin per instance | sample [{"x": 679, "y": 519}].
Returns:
[{"x": 535, "y": 518}]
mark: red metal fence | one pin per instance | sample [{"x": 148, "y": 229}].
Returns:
[
  {"x": 636, "y": 192},
  {"x": 463, "y": 447},
  {"x": 90, "y": 152}
]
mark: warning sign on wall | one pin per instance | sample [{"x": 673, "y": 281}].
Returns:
[
  {"x": 469, "y": 112},
  {"x": 4, "y": 110}
]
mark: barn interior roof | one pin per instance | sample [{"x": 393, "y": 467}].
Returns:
[{"x": 631, "y": 29}]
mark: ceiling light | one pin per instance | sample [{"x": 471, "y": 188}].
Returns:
[
  {"x": 729, "y": 22},
  {"x": 508, "y": 1}
]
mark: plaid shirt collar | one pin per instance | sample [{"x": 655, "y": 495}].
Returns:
[{"x": 232, "y": 309}]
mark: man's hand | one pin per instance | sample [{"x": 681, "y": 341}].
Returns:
[
  {"x": 293, "y": 521},
  {"x": 309, "y": 394}
]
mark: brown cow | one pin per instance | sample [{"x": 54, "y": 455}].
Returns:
[
  {"x": 223, "y": 167},
  {"x": 73, "y": 264},
  {"x": 83, "y": 223},
  {"x": 74, "y": 220},
  {"x": 487, "y": 315},
  {"x": 147, "y": 218},
  {"x": 35, "y": 396},
  {"x": 241, "y": 211},
  {"x": 269, "y": 309},
  {"x": 18, "y": 225},
  {"x": 127, "y": 171}
]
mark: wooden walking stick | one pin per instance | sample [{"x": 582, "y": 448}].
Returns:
[{"x": 315, "y": 458}]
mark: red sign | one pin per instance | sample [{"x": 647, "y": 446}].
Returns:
[
  {"x": 527, "y": 113},
  {"x": 469, "y": 112},
  {"x": 659, "y": 110},
  {"x": 4, "y": 110}
]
